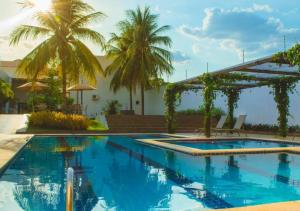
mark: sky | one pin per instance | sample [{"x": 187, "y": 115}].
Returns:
[{"x": 205, "y": 33}]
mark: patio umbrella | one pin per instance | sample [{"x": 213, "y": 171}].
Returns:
[
  {"x": 81, "y": 88},
  {"x": 33, "y": 87}
]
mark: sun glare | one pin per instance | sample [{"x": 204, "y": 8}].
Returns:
[{"x": 42, "y": 5}]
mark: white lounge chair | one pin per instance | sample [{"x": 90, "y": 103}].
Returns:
[
  {"x": 219, "y": 125},
  {"x": 237, "y": 126}
]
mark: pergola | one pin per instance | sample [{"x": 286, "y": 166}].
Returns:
[{"x": 280, "y": 75}]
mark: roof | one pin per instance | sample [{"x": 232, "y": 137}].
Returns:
[
  {"x": 262, "y": 69},
  {"x": 8, "y": 67}
]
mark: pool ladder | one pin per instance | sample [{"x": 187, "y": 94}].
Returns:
[{"x": 69, "y": 190}]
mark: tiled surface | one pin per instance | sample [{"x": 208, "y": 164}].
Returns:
[
  {"x": 10, "y": 145},
  {"x": 283, "y": 206}
]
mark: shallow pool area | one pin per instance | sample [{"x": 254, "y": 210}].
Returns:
[
  {"x": 119, "y": 173},
  {"x": 232, "y": 144}
]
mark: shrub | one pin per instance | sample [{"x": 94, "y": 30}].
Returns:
[
  {"x": 112, "y": 107},
  {"x": 58, "y": 120},
  {"x": 215, "y": 112}
]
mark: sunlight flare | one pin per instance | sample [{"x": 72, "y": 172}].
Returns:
[{"x": 42, "y": 5}]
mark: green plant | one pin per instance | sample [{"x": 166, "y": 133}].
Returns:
[
  {"x": 58, "y": 120},
  {"x": 112, "y": 107},
  {"x": 95, "y": 125},
  {"x": 6, "y": 92},
  {"x": 233, "y": 96},
  {"x": 52, "y": 94},
  {"x": 139, "y": 54},
  {"x": 63, "y": 28},
  {"x": 281, "y": 88},
  {"x": 215, "y": 112},
  {"x": 172, "y": 97}
]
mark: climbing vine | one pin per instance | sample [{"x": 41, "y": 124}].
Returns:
[
  {"x": 172, "y": 98},
  {"x": 210, "y": 85},
  {"x": 281, "y": 88},
  {"x": 233, "y": 96}
]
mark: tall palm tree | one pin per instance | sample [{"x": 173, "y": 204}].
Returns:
[
  {"x": 63, "y": 28},
  {"x": 142, "y": 59},
  {"x": 117, "y": 51}
]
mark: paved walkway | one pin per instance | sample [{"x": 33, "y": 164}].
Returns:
[{"x": 11, "y": 123}]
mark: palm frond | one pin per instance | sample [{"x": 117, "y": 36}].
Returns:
[
  {"x": 88, "y": 34},
  {"x": 87, "y": 19},
  {"x": 26, "y": 32}
]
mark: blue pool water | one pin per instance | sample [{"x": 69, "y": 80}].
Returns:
[
  {"x": 117, "y": 173},
  {"x": 232, "y": 144}
]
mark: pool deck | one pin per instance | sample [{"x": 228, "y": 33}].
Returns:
[
  {"x": 282, "y": 206},
  {"x": 10, "y": 145}
]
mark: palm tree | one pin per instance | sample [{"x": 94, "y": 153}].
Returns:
[
  {"x": 63, "y": 28},
  {"x": 139, "y": 54},
  {"x": 117, "y": 50}
]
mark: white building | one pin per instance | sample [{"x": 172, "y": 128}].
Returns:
[{"x": 93, "y": 101}]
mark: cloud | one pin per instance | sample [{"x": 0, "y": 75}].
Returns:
[
  {"x": 252, "y": 29},
  {"x": 180, "y": 57}
]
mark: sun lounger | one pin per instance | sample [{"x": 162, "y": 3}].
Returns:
[
  {"x": 220, "y": 124},
  {"x": 237, "y": 127}
]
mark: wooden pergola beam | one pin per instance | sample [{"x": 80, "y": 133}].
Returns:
[{"x": 248, "y": 70}]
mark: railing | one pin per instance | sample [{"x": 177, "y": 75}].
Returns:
[{"x": 69, "y": 190}]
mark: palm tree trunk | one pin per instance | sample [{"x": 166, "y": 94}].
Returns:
[
  {"x": 130, "y": 98},
  {"x": 143, "y": 98},
  {"x": 64, "y": 83}
]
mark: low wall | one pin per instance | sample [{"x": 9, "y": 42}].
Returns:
[{"x": 153, "y": 123}]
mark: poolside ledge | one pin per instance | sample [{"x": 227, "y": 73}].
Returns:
[
  {"x": 10, "y": 145},
  {"x": 199, "y": 152},
  {"x": 281, "y": 206}
]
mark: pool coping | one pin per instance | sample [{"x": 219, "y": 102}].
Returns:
[
  {"x": 160, "y": 143},
  {"x": 277, "y": 206},
  {"x": 13, "y": 153}
]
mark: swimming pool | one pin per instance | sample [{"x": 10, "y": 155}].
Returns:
[
  {"x": 232, "y": 144},
  {"x": 118, "y": 173}
]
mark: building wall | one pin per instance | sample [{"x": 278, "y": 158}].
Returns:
[{"x": 257, "y": 103}]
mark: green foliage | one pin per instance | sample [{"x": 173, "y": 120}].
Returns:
[
  {"x": 281, "y": 88},
  {"x": 6, "y": 92},
  {"x": 215, "y": 112},
  {"x": 63, "y": 29},
  {"x": 172, "y": 97},
  {"x": 211, "y": 83},
  {"x": 139, "y": 52},
  {"x": 57, "y": 120},
  {"x": 52, "y": 94},
  {"x": 95, "y": 125},
  {"x": 233, "y": 96},
  {"x": 112, "y": 107}
]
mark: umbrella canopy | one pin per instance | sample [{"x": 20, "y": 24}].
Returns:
[
  {"x": 33, "y": 86},
  {"x": 81, "y": 87}
]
